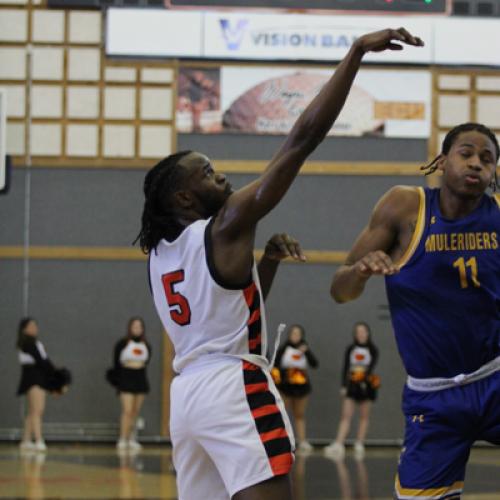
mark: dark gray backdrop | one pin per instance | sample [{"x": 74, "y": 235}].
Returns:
[{"x": 83, "y": 306}]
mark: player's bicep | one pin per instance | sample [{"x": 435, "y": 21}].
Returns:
[
  {"x": 245, "y": 207},
  {"x": 381, "y": 232},
  {"x": 371, "y": 239}
]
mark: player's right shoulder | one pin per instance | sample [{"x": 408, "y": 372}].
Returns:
[
  {"x": 401, "y": 193},
  {"x": 399, "y": 202}
]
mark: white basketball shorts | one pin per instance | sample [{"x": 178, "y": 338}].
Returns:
[{"x": 229, "y": 429}]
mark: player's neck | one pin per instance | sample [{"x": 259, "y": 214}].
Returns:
[
  {"x": 456, "y": 207},
  {"x": 187, "y": 219}
]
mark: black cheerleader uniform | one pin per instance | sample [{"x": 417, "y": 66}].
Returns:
[
  {"x": 37, "y": 369},
  {"x": 132, "y": 380},
  {"x": 290, "y": 372},
  {"x": 357, "y": 373}
]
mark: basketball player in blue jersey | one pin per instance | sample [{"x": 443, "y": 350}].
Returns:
[
  {"x": 230, "y": 433},
  {"x": 439, "y": 252}
]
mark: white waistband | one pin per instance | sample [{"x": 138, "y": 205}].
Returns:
[
  {"x": 438, "y": 384},
  {"x": 262, "y": 362}
]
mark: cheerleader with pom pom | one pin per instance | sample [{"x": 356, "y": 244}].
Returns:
[
  {"x": 128, "y": 375},
  {"x": 359, "y": 388},
  {"x": 290, "y": 374},
  {"x": 38, "y": 377}
]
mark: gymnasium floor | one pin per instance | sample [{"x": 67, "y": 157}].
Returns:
[{"x": 88, "y": 472}]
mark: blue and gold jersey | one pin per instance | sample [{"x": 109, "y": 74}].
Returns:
[{"x": 445, "y": 302}]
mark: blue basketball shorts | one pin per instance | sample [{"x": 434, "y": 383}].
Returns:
[{"x": 441, "y": 428}]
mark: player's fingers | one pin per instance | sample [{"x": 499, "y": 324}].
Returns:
[
  {"x": 284, "y": 249},
  {"x": 369, "y": 265},
  {"x": 289, "y": 244},
  {"x": 292, "y": 250},
  {"x": 396, "y": 35},
  {"x": 389, "y": 265},
  {"x": 409, "y": 38},
  {"x": 363, "y": 267},
  {"x": 295, "y": 249},
  {"x": 384, "y": 263},
  {"x": 377, "y": 264},
  {"x": 394, "y": 46},
  {"x": 280, "y": 244},
  {"x": 299, "y": 252}
]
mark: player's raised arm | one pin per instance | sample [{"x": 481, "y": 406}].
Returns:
[
  {"x": 247, "y": 206},
  {"x": 379, "y": 244}
]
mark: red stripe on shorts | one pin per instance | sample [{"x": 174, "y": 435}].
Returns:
[
  {"x": 265, "y": 410},
  {"x": 254, "y": 317},
  {"x": 276, "y": 434},
  {"x": 250, "y": 366},
  {"x": 253, "y": 343},
  {"x": 250, "y": 293},
  {"x": 253, "y": 388},
  {"x": 280, "y": 464}
]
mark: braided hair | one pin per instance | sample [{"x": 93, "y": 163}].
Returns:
[
  {"x": 450, "y": 139},
  {"x": 158, "y": 218}
]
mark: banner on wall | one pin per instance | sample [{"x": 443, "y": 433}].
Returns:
[
  {"x": 251, "y": 36},
  {"x": 230, "y": 35},
  {"x": 267, "y": 100},
  {"x": 422, "y": 7}
]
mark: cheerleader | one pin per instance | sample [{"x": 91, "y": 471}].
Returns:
[
  {"x": 290, "y": 374},
  {"x": 38, "y": 376},
  {"x": 131, "y": 355},
  {"x": 359, "y": 387}
]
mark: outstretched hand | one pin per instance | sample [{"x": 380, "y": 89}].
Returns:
[
  {"x": 282, "y": 246},
  {"x": 387, "y": 39}
]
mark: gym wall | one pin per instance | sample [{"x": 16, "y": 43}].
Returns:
[{"x": 96, "y": 127}]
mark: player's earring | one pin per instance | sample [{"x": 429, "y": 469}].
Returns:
[{"x": 493, "y": 184}]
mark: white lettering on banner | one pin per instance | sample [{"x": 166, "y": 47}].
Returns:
[{"x": 252, "y": 36}]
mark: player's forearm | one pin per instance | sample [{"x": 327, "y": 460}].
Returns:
[
  {"x": 267, "y": 269},
  {"x": 347, "y": 284},
  {"x": 307, "y": 133}
]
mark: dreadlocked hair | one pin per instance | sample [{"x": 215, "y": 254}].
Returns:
[
  {"x": 452, "y": 136},
  {"x": 158, "y": 219}
]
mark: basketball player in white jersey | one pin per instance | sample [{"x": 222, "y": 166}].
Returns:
[{"x": 230, "y": 433}]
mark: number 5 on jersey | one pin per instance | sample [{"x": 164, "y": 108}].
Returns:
[{"x": 180, "y": 312}]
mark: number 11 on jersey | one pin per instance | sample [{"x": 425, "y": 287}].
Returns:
[
  {"x": 461, "y": 264},
  {"x": 180, "y": 311}
]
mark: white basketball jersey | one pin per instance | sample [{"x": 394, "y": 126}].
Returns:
[{"x": 199, "y": 312}]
